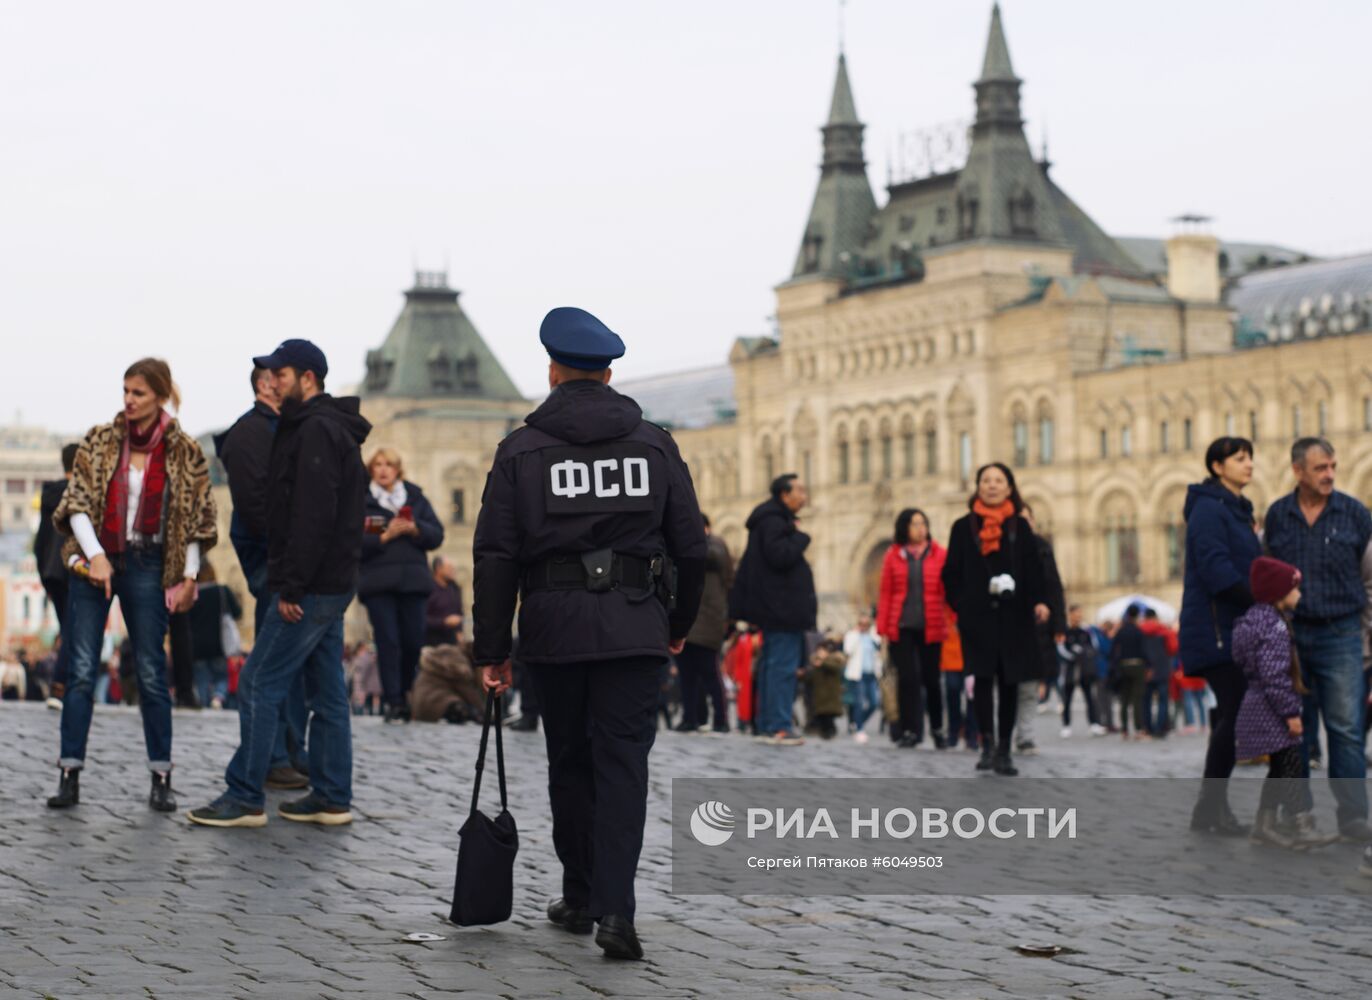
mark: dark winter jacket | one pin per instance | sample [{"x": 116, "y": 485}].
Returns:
[
  {"x": 1262, "y": 648},
  {"x": 1221, "y": 545},
  {"x": 995, "y": 629},
  {"x": 316, "y": 490},
  {"x": 1079, "y": 656},
  {"x": 443, "y": 602},
  {"x": 47, "y": 543},
  {"x": 400, "y": 566},
  {"x": 712, "y": 621},
  {"x": 774, "y": 587},
  {"x": 585, "y": 473},
  {"x": 214, "y": 602},
  {"x": 246, "y": 451},
  {"x": 1056, "y": 600}
]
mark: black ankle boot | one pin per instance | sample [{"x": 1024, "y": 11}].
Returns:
[
  {"x": 161, "y": 797},
  {"x": 987, "y": 761},
  {"x": 68, "y": 790},
  {"x": 1001, "y": 763}
]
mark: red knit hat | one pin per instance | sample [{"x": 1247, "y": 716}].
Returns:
[{"x": 1271, "y": 579}]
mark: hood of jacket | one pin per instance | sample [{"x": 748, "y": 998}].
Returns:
[
  {"x": 766, "y": 509},
  {"x": 344, "y": 411},
  {"x": 1240, "y": 505},
  {"x": 585, "y": 412}
]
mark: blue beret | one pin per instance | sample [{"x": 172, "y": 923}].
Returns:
[{"x": 577, "y": 339}]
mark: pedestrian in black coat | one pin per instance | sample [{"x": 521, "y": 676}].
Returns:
[
  {"x": 993, "y": 578},
  {"x": 395, "y": 581}
]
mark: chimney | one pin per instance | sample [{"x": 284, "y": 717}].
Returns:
[{"x": 1193, "y": 261}]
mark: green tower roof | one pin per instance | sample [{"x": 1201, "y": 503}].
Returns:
[{"x": 434, "y": 352}]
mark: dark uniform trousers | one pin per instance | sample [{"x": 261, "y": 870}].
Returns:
[{"x": 599, "y": 719}]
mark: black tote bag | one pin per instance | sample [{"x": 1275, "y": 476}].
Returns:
[{"x": 484, "y": 890}]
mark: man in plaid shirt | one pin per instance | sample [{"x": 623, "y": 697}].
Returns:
[{"x": 1326, "y": 535}]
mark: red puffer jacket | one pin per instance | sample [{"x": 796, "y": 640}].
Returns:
[{"x": 895, "y": 583}]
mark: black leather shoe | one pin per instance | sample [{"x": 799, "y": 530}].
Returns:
[
  {"x": 1001, "y": 763},
  {"x": 569, "y": 918},
  {"x": 1218, "y": 821},
  {"x": 987, "y": 760},
  {"x": 617, "y": 939},
  {"x": 161, "y": 797},
  {"x": 68, "y": 790},
  {"x": 524, "y": 724}
]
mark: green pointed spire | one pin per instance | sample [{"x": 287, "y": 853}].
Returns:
[
  {"x": 996, "y": 65},
  {"x": 842, "y": 110}
]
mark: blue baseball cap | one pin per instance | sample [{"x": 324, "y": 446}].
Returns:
[
  {"x": 575, "y": 338},
  {"x": 301, "y": 355}
]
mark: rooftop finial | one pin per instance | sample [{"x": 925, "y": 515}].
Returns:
[{"x": 841, "y": 26}]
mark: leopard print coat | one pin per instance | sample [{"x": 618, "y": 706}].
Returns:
[{"x": 189, "y": 513}]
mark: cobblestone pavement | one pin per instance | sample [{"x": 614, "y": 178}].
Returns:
[{"x": 112, "y": 900}]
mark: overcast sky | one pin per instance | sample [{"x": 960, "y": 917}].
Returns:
[{"x": 201, "y": 181}]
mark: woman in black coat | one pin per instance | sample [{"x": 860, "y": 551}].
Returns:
[
  {"x": 395, "y": 581},
  {"x": 994, "y": 581}
]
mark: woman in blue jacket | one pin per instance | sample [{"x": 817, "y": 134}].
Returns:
[
  {"x": 395, "y": 582},
  {"x": 1221, "y": 544}
]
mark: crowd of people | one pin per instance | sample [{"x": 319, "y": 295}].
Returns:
[{"x": 967, "y": 644}]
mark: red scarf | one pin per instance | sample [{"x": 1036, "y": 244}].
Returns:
[
  {"x": 148, "y": 518},
  {"x": 991, "y": 520}
]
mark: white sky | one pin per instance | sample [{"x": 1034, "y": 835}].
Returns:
[{"x": 201, "y": 181}]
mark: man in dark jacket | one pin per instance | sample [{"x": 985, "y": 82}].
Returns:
[
  {"x": 443, "y": 609},
  {"x": 47, "y": 552},
  {"x": 316, "y": 488},
  {"x": 1129, "y": 664},
  {"x": 698, "y": 662},
  {"x": 246, "y": 451},
  {"x": 584, "y": 511},
  {"x": 775, "y": 590}
]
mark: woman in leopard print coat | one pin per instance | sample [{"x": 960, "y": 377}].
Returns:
[{"x": 140, "y": 516}]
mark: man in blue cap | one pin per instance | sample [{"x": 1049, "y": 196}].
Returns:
[
  {"x": 316, "y": 485},
  {"x": 590, "y": 519}
]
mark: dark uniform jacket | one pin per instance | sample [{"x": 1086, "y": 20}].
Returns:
[
  {"x": 245, "y": 449},
  {"x": 315, "y": 495},
  {"x": 1221, "y": 544},
  {"x": 400, "y": 566},
  {"x": 995, "y": 629},
  {"x": 586, "y": 472},
  {"x": 774, "y": 588}
]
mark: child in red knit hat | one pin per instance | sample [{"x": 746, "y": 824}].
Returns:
[{"x": 1269, "y": 720}]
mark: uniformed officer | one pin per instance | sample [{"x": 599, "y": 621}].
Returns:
[{"x": 590, "y": 518}]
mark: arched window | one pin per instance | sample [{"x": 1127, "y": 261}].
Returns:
[
  {"x": 1121, "y": 541},
  {"x": 1165, "y": 437},
  {"x": 1188, "y": 440},
  {"x": 864, "y": 454},
  {"x": 907, "y": 448},
  {"x": 1019, "y": 439},
  {"x": 930, "y": 447},
  {"x": 1126, "y": 441},
  {"x": 844, "y": 458},
  {"x": 1047, "y": 434},
  {"x": 888, "y": 452},
  {"x": 768, "y": 462}
]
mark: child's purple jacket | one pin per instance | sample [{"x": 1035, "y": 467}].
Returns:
[{"x": 1262, "y": 648}]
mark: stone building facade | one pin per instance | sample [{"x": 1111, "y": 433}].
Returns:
[{"x": 977, "y": 315}]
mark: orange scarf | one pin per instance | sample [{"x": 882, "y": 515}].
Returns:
[{"x": 991, "y": 520}]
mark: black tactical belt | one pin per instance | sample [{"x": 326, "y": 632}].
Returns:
[{"x": 600, "y": 570}]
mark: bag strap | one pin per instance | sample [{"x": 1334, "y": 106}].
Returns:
[{"x": 492, "y": 710}]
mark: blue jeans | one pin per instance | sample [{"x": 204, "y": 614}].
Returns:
[
  {"x": 1331, "y": 655},
  {"x": 288, "y": 750},
  {"x": 778, "y": 660},
  {"x": 137, "y": 582},
  {"x": 1157, "y": 715},
  {"x": 1193, "y": 707},
  {"x": 283, "y": 653},
  {"x": 211, "y": 680},
  {"x": 863, "y": 697}
]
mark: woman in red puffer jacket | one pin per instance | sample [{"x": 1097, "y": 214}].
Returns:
[{"x": 912, "y": 616}]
